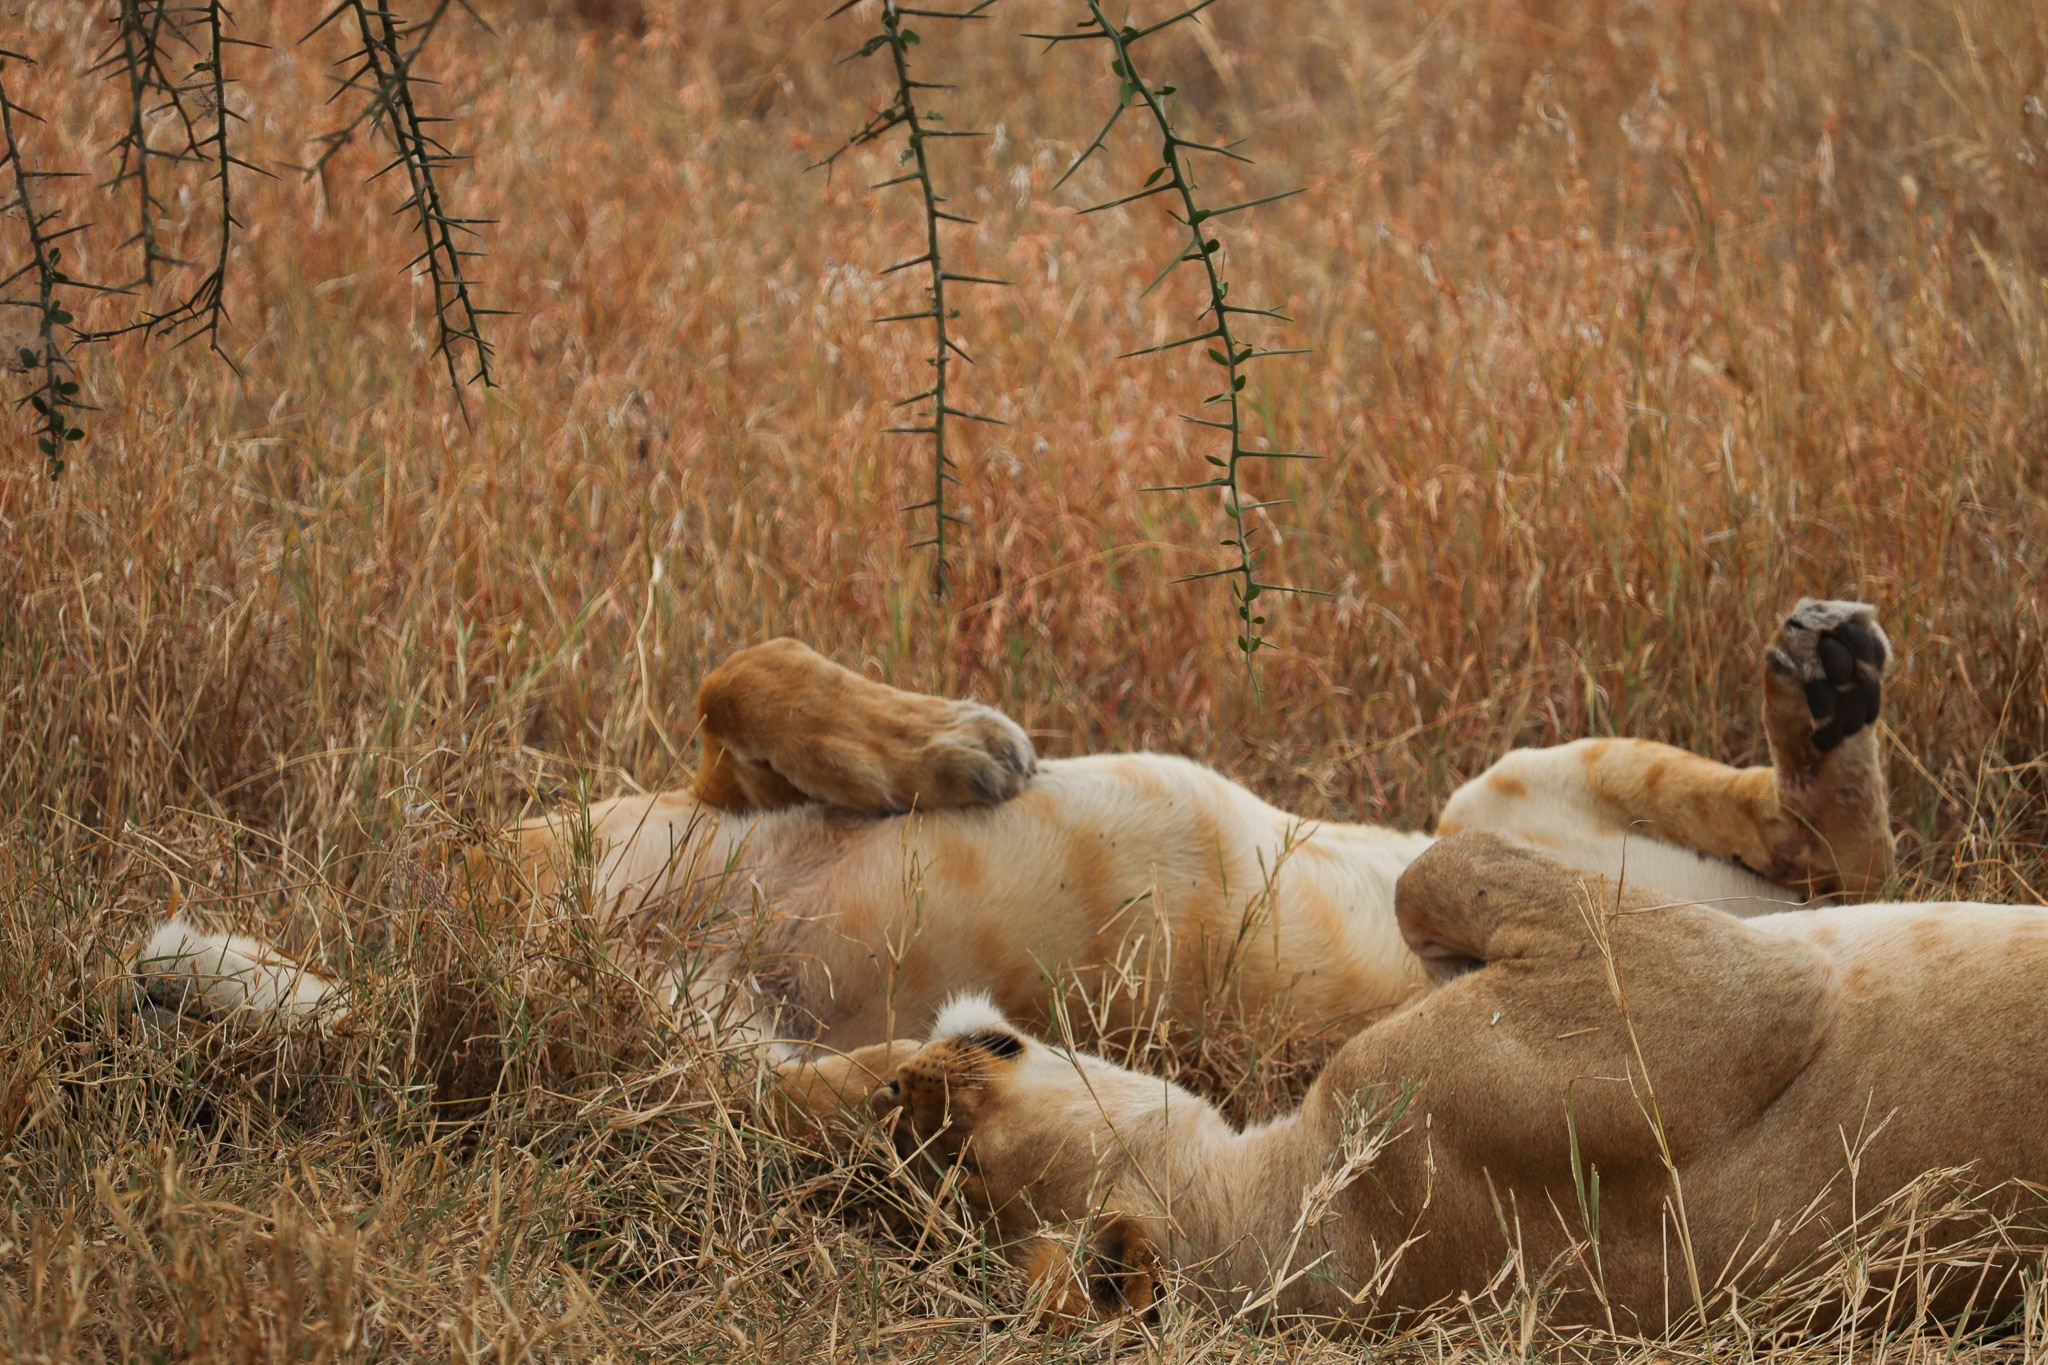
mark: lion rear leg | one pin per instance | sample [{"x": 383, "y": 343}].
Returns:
[
  {"x": 1823, "y": 683},
  {"x": 782, "y": 725},
  {"x": 1816, "y": 819}
]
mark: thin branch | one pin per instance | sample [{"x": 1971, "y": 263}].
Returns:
[
  {"x": 203, "y": 103},
  {"x": 903, "y": 112},
  {"x": 378, "y": 106},
  {"x": 54, "y": 398},
  {"x": 137, "y": 54},
  {"x": 384, "y": 72},
  {"x": 1228, "y": 352}
]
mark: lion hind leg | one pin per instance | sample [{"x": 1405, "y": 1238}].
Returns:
[
  {"x": 782, "y": 725},
  {"x": 186, "y": 969},
  {"x": 1816, "y": 819},
  {"x": 1580, "y": 802},
  {"x": 1823, "y": 684}
]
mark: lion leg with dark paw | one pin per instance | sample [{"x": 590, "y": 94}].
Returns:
[
  {"x": 1823, "y": 690},
  {"x": 183, "y": 969},
  {"x": 1814, "y": 820},
  {"x": 782, "y": 725}
]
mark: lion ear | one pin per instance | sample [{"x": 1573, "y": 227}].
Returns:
[
  {"x": 1091, "y": 1272},
  {"x": 967, "y": 1013}
]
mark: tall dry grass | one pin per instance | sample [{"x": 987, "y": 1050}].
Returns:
[{"x": 1631, "y": 322}]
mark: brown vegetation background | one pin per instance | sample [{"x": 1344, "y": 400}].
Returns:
[{"x": 1631, "y": 323}]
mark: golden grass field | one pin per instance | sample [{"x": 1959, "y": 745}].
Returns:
[{"x": 1631, "y": 322}]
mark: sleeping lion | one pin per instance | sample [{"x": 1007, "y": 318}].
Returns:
[
  {"x": 1732, "y": 1093},
  {"x": 1599, "y": 1049},
  {"x": 911, "y": 848}
]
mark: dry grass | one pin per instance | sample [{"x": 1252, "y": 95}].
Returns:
[{"x": 1631, "y": 323}]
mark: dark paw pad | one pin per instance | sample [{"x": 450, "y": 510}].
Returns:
[
  {"x": 1838, "y": 653},
  {"x": 1850, "y": 692}
]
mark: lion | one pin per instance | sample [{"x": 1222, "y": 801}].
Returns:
[
  {"x": 910, "y": 848},
  {"x": 1733, "y": 1093}
]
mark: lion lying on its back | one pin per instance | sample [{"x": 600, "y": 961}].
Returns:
[
  {"x": 1439, "y": 1140},
  {"x": 909, "y": 848}
]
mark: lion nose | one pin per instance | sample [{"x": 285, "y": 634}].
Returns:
[{"x": 885, "y": 1098}]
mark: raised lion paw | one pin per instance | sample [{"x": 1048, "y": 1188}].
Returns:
[
  {"x": 982, "y": 757},
  {"x": 1838, "y": 654}
]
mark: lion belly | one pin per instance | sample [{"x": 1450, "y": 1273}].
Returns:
[
  {"x": 1148, "y": 882},
  {"x": 1140, "y": 884}
]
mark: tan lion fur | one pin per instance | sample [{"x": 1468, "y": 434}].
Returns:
[
  {"x": 1438, "y": 1141},
  {"x": 908, "y": 848}
]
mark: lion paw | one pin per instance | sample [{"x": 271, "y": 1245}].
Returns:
[
  {"x": 783, "y": 725},
  {"x": 1837, "y": 653},
  {"x": 981, "y": 758}
]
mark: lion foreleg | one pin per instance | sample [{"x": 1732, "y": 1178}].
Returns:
[
  {"x": 182, "y": 967},
  {"x": 782, "y": 725}
]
